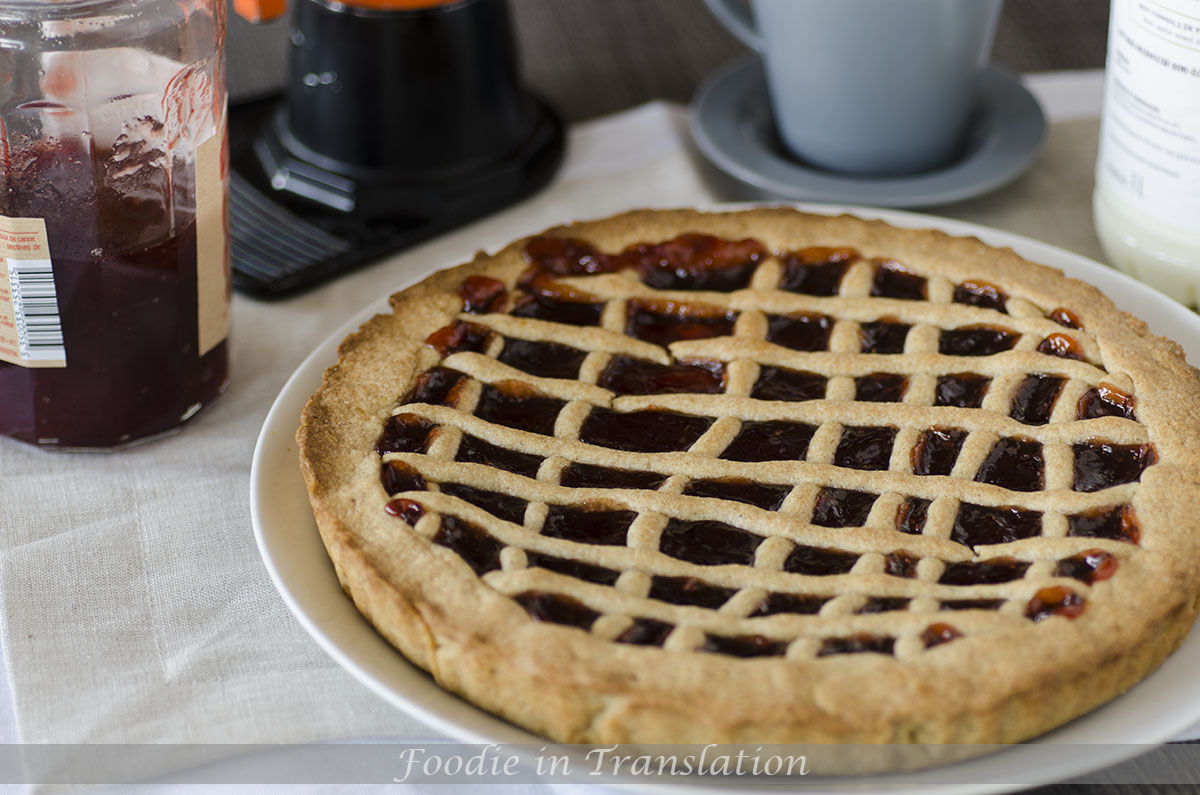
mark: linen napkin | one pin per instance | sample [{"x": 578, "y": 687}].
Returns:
[{"x": 134, "y": 607}]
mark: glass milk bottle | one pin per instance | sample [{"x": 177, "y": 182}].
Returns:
[{"x": 1147, "y": 197}]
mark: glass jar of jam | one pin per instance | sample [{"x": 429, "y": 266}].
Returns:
[{"x": 114, "y": 266}]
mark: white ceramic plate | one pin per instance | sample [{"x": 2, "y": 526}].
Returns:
[{"x": 1158, "y": 709}]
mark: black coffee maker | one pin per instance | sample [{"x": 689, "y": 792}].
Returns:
[{"x": 401, "y": 119}]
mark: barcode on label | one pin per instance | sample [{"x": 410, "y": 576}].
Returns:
[{"x": 35, "y": 305}]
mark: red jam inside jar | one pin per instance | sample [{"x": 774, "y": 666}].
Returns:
[{"x": 121, "y": 228}]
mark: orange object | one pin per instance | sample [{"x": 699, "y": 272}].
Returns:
[
  {"x": 259, "y": 10},
  {"x": 267, "y": 10}
]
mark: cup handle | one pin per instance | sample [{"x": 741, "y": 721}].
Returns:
[{"x": 735, "y": 16}]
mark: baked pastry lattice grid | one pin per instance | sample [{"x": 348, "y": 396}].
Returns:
[{"x": 706, "y": 446}]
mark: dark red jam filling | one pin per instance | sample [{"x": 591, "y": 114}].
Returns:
[
  {"x": 1100, "y": 464},
  {"x": 964, "y": 390},
  {"x": 772, "y": 440},
  {"x": 543, "y": 359},
  {"x": 880, "y": 388},
  {"x": 662, "y": 322},
  {"x": 882, "y": 337},
  {"x": 744, "y": 645},
  {"x": 910, "y": 517},
  {"x": 565, "y": 256},
  {"x": 882, "y": 604},
  {"x": 482, "y": 294},
  {"x": 588, "y": 526},
  {"x": 471, "y": 543},
  {"x": 1033, "y": 401},
  {"x": 857, "y": 644},
  {"x": 689, "y": 591},
  {"x": 1117, "y": 522},
  {"x": 476, "y": 451},
  {"x": 1065, "y": 317},
  {"x": 124, "y": 261},
  {"x": 1014, "y": 463},
  {"x": 540, "y": 306},
  {"x": 984, "y": 572},
  {"x": 708, "y": 543},
  {"x": 590, "y": 476},
  {"x": 1062, "y": 346},
  {"x": 572, "y": 568},
  {"x": 762, "y": 495},
  {"x": 818, "y": 561},
  {"x": 817, "y": 270},
  {"x": 628, "y": 376},
  {"x": 646, "y": 632},
  {"x": 800, "y": 332},
  {"x": 397, "y": 476},
  {"x": 893, "y": 280},
  {"x": 971, "y": 604},
  {"x": 546, "y": 299},
  {"x": 557, "y": 609},
  {"x": 779, "y": 383},
  {"x": 502, "y": 506},
  {"x": 439, "y": 386},
  {"x": 936, "y": 451},
  {"x": 937, "y": 634},
  {"x": 901, "y": 563},
  {"x": 802, "y": 604},
  {"x": 976, "y": 341},
  {"x": 688, "y": 262},
  {"x": 1054, "y": 600},
  {"x": 1089, "y": 566},
  {"x": 981, "y": 294},
  {"x": 405, "y": 433},
  {"x": 1104, "y": 400},
  {"x": 697, "y": 262},
  {"x": 407, "y": 511},
  {"x": 515, "y": 404},
  {"x": 460, "y": 336},
  {"x": 842, "y": 507},
  {"x": 981, "y": 524},
  {"x": 865, "y": 448},
  {"x": 648, "y": 431}
]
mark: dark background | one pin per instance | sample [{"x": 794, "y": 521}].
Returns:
[{"x": 592, "y": 57}]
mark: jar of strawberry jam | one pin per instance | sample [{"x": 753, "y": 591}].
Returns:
[{"x": 114, "y": 266}]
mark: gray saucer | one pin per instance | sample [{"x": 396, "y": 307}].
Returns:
[{"x": 732, "y": 126}]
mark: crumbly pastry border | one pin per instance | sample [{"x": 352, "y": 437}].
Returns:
[{"x": 571, "y": 686}]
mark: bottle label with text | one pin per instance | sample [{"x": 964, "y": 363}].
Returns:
[{"x": 1150, "y": 134}]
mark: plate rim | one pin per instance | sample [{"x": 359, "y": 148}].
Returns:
[
  {"x": 322, "y": 614},
  {"x": 940, "y": 186}
]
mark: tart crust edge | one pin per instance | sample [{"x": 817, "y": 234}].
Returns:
[{"x": 523, "y": 671}]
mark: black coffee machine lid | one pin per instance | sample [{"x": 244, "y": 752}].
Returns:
[{"x": 397, "y": 124}]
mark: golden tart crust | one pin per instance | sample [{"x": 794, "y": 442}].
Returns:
[{"x": 969, "y": 661}]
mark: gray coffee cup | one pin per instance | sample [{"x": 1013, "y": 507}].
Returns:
[{"x": 868, "y": 87}]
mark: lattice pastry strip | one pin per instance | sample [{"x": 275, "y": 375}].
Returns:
[
  {"x": 824, "y": 444},
  {"x": 1029, "y": 332}
]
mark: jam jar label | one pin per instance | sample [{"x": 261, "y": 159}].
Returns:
[
  {"x": 213, "y": 285},
  {"x": 30, "y": 326}
]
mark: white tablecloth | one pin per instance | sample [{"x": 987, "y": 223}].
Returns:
[{"x": 133, "y": 604}]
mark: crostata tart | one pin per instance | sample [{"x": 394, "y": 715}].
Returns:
[{"x": 763, "y": 476}]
